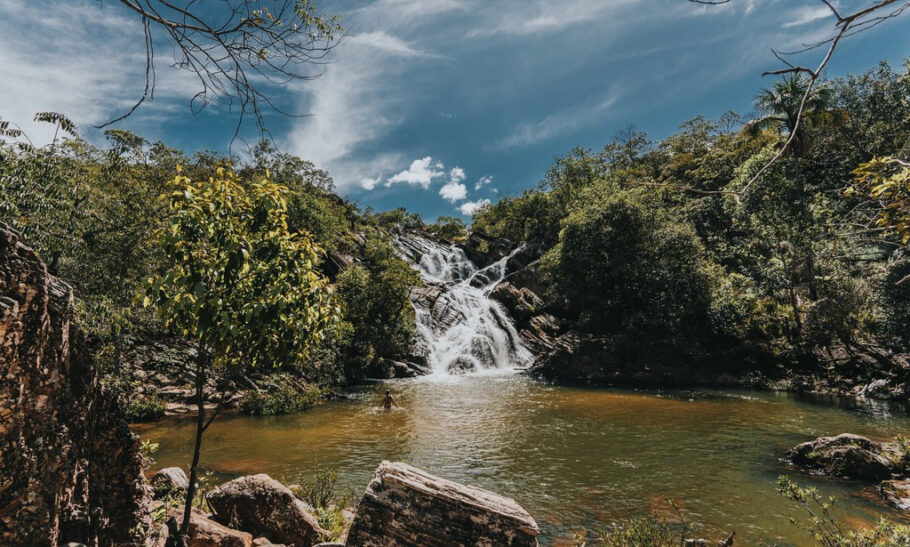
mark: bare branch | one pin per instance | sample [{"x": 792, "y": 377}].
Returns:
[{"x": 239, "y": 50}]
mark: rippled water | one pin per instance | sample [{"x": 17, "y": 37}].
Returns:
[{"x": 574, "y": 458}]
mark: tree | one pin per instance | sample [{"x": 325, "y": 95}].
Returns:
[
  {"x": 783, "y": 104},
  {"x": 238, "y": 282},
  {"x": 237, "y": 49},
  {"x": 886, "y": 181}
]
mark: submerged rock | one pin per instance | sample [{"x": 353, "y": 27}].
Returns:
[
  {"x": 896, "y": 493},
  {"x": 264, "y": 507},
  {"x": 845, "y": 455},
  {"x": 204, "y": 532},
  {"x": 404, "y": 506}
]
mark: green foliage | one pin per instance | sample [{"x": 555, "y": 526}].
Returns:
[
  {"x": 142, "y": 409},
  {"x": 237, "y": 280},
  {"x": 147, "y": 451},
  {"x": 639, "y": 531},
  {"x": 625, "y": 270},
  {"x": 825, "y": 528},
  {"x": 285, "y": 399},
  {"x": 376, "y": 300},
  {"x": 448, "y": 228},
  {"x": 319, "y": 489},
  {"x": 887, "y": 182}
]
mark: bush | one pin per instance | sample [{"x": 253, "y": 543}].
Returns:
[
  {"x": 282, "y": 400},
  {"x": 142, "y": 409}
]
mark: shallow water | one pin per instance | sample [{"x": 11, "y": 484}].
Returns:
[{"x": 574, "y": 458}]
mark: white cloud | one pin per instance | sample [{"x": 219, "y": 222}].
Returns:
[
  {"x": 354, "y": 103},
  {"x": 558, "y": 123},
  {"x": 421, "y": 172},
  {"x": 384, "y": 42},
  {"x": 468, "y": 208},
  {"x": 80, "y": 60},
  {"x": 368, "y": 184},
  {"x": 806, "y": 15},
  {"x": 454, "y": 190},
  {"x": 483, "y": 181}
]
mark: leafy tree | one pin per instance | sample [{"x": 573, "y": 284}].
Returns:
[
  {"x": 448, "y": 228},
  {"x": 886, "y": 181},
  {"x": 376, "y": 300},
  {"x": 236, "y": 281}
]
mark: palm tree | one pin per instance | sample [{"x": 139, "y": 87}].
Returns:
[{"x": 780, "y": 106}]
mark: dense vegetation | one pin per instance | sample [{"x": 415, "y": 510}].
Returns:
[
  {"x": 692, "y": 244},
  {"x": 92, "y": 213}
]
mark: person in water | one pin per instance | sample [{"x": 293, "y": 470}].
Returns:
[{"x": 388, "y": 401}]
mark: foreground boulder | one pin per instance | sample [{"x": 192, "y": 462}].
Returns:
[
  {"x": 70, "y": 469},
  {"x": 845, "y": 455},
  {"x": 264, "y": 507},
  {"x": 405, "y": 506},
  {"x": 204, "y": 532},
  {"x": 170, "y": 481}
]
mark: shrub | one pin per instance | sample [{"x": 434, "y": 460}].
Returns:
[
  {"x": 282, "y": 400},
  {"x": 143, "y": 409}
]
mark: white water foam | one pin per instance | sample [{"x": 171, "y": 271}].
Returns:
[{"x": 463, "y": 331}]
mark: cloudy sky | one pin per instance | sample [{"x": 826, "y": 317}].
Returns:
[{"x": 440, "y": 106}]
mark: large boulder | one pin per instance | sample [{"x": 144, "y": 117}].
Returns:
[
  {"x": 70, "y": 469},
  {"x": 404, "y": 506},
  {"x": 484, "y": 250},
  {"x": 264, "y": 507},
  {"x": 204, "y": 532},
  {"x": 845, "y": 455}
]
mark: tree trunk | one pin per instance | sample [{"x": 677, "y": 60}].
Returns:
[{"x": 200, "y": 428}]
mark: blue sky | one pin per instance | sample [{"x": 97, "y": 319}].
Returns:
[{"x": 438, "y": 105}]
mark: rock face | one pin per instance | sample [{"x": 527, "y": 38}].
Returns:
[
  {"x": 70, "y": 469},
  {"x": 845, "y": 455},
  {"x": 207, "y": 533},
  {"x": 264, "y": 507},
  {"x": 404, "y": 506}
]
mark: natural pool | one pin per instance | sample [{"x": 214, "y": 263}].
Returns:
[{"x": 574, "y": 458}]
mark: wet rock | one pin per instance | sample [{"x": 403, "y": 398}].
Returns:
[
  {"x": 484, "y": 250},
  {"x": 404, "y": 369},
  {"x": 70, "y": 469},
  {"x": 265, "y": 542},
  {"x": 204, "y": 532},
  {"x": 896, "y": 493},
  {"x": 845, "y": 455},
  {"x": 540, "y": 333},
  {"x": 520, "y": 303},
  {"x": 264, "y": 507},
  {"x": 405, "y": 506},
  {"x": 170, "y": 481}
]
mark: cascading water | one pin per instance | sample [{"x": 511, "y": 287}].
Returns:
[{"x": 460, "y": 329}]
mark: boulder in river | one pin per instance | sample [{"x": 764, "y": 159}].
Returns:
[
  {"x": 404, "y": 506},
  {"x": 264, "y": 507},
  {"x": 896, "y": 493},
  {"x": 845, "y": 455},
  {"x": 204, "y": 532}
]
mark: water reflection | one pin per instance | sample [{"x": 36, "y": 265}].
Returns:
[{"x": 575, "y": 458}]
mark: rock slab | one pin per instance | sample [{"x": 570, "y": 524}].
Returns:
[
  {"x": 70, "y": 469},
  {"x": 204, "y": 532},
  {"x": 404, "y": 506},
  {"x": 264, "y": 507}
]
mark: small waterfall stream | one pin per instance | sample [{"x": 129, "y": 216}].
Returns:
[{"x": 460, "y": 329}]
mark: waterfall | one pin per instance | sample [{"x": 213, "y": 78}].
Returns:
[{"x": 460, "y": 329}]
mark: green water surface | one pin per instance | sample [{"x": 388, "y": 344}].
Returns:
[{"x": 574, "y": 458}]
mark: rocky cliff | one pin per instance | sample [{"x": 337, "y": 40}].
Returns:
[{"x": 70, "y": 469}]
